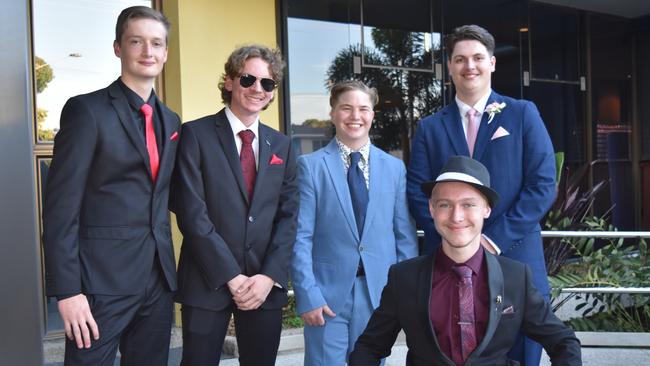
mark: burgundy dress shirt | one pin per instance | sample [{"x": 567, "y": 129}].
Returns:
[{"x": 443, "y": 304}]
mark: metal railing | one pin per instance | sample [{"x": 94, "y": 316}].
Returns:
[{"x": 595, "y": 234}]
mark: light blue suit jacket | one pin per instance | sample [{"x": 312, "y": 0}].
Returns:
[
  {"x": 522, "y": 171},
  {"x": 327, "y": 250}
]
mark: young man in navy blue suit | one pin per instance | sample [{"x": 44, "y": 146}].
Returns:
[
  {"x": 461, "y": 305},
  {"x": 509, "y": 137},
  {"x": 108, "y": 250},
  {"x": 236, "y": 202}
]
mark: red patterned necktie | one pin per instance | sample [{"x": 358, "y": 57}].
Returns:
[
  {"x": 247, "y": 160},
  {"x": 150, "y": 138},
  {"x": 466, "y": 307},
  {"x": 472, "y": 129}
]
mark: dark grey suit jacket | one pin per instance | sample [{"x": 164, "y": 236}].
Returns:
[
  {"x": 103, "y": 217},
  {"x": 405, "y": 305},
  {"x": 223, "y": 233}
]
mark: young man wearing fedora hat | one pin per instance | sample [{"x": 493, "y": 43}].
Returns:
[{"x": 476, "y": 316}]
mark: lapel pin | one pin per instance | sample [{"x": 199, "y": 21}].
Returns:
[
  {"x": 498, "y": 299},
  {"x": 267, "y": 142}
]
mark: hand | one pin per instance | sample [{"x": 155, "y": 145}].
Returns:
[
  {"x": 486, "y": 244},
  {"x": 77, "y": 317},
  {"x": 235, "y": 285},
  {"x": 257, "y": 288},
  {"x": 315, "y": 317}
]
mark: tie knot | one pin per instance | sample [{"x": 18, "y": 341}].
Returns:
[
  {"x": 463, "y": 271},
  {"x": 247, "y": 136},
  {"x": 355, "y": 157},
  {"x": 471, "y": 113},
  {"x": 146, "y": 110}
]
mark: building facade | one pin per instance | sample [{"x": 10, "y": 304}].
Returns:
[{"x": 584, "y": 63}]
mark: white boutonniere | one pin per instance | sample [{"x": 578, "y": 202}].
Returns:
[{"x": 493, "y": 109}]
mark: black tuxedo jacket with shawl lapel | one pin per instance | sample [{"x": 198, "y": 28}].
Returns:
[
  {"x": 104, "y": 219},
  {"x": 404, "y": 305},
  {"x": 223, "y": 233}
]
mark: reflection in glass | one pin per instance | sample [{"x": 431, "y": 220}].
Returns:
[
  {"x": 73, "y": 53},
  {"x": 323, "y": 52}
]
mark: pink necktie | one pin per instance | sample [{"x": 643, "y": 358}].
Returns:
[
  {"x": 247, "y": 160},
  {"x": 150, "y": 138},
  {"x": 472, "y": 129},
  {"x": 466, "y": 307}
]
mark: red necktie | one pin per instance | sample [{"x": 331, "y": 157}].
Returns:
[
  {"x": 150, "y": 138},
  {"x": 472, "y": 129},
  {"x": 247, "y": 160},
  {"x": 466, "y": 307}
]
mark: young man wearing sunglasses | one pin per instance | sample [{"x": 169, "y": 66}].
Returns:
[{"x": 236, "y": 202}]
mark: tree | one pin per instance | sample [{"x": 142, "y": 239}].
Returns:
[
  {"x": 404, "y": 96},
  {"x": 44, "y": 74}
]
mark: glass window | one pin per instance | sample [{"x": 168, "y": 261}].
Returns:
[
  {"x": 324, "y": 46},
  {"x": 73, "y": 54}
]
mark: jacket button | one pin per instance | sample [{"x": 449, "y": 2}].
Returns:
[
  {"x": 251, "y": 219},
  {"x": 361, "y": 248}
]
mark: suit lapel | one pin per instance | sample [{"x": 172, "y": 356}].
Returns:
[
  {"x": 486, "y": 130},
  {"x": 264, "y": 152},
  {"x": 454, "y": 127},
  {"x": 375, "y": 186},
  {"x": 121, "y": 106},
  {"x": 424, "y": 298},
  {"x": 224, "y": 132},
  {"x": 495, "y": 285},
  {"x": 340, "y": 183}
]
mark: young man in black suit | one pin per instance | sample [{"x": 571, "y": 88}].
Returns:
[
  {"x": 108, "y": 251},
  {"x": 236, "y": 201},
  {"x": 462, "y": 305}
]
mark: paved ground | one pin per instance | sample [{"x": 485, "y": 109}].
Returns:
[{"x": 590, "y": 357}]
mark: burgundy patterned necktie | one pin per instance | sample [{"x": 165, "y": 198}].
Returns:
[
  {"x": 150, "y": 138},
  {"x": 472, "y": 129},
  {"x": 247, "y": 160},
  {"x": 466, "y": 307}
]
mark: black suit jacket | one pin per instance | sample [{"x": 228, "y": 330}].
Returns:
[
  {"x": 103, "y": 217},
  {"x": 405, "y": 305},
  {"x": 223, "y": 234}
]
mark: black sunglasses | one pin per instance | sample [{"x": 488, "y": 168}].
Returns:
[{"x": 247, "y": 81}]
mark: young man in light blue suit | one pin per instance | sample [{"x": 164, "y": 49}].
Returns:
[
  {"x": 352, "y": 226},
  {"x": 509, "y": 137}
]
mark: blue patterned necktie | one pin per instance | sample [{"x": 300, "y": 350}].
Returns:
[{"x": 358, "y": 190}]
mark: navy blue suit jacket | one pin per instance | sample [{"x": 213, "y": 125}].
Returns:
[{"x": 522, "y": 170}]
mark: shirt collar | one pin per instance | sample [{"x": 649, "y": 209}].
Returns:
[
  {"x": 135, "y": 101},
  {"x": 345, "y": 150},
  {"x": 237, "y": 125},
  {"x": 479, "y": 106},
  {"x": 445, "y": 264}
]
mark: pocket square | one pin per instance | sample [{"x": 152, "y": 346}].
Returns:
[
  {"x": 174, "y": 136},
  {"x": 509, "y": 310},
  {"x": 275, "y": 160},
  {"x": 500, "y": 132}
]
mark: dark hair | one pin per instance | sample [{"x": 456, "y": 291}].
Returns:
[
  {"x": 237, "y": 60},
  {"x": 138, "y": 12},
  {"x": 350, "y": 85},
  {"x": 469, "y": 32}
]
